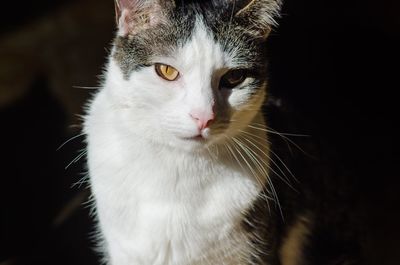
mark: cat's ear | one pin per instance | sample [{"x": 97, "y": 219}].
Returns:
[
  {"x": 134, "y": 16},
  {"x": 258, "y": 16}
]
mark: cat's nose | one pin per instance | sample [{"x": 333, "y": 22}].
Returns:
[{"x": 203, "y": 119}]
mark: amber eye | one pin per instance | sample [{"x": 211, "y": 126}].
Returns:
[
  {"x": 167, "y": 72},
  {"x": 233, "y": 78}
]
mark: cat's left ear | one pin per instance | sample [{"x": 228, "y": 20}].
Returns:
[{"x": 258, "y": 16}]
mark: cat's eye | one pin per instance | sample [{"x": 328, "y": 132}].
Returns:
[
  {"x": 167, "y": 72},
  {"x": 233, "y": 78}
]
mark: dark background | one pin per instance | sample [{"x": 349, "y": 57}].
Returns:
[{"x": 335, "y": 63}]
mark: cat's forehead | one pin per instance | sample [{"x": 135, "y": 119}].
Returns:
[
  {"x": 190, "y": 37},
  {"x": 200, "y": 50}
]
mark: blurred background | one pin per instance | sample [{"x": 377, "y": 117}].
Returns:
[{"x": 335, "y": 63}]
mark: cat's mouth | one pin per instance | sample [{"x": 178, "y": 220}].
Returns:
[
  {"x": 197, "y": 138},
  {"x": 202, "y": 136}
]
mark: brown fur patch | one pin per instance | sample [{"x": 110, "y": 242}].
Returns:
[{"x": 291, "y": 252}]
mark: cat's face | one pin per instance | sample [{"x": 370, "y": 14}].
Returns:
[{"x": 189, "y": 75}]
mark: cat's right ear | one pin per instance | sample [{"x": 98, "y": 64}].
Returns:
[
  {"x": 257, "y": 16},
  {"x": 133, "y": 16}
]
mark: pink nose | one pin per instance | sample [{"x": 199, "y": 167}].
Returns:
[{"x": 203, "y": 119}]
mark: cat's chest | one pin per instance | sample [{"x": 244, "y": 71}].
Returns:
[
  {"x": 172, "y": 197},
  {"x": 169, "y": 215}
]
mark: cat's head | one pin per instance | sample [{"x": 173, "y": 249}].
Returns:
[{"x": 189, "y": 73}]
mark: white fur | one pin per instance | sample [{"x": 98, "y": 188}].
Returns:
[{"x": 161, "y": 199}]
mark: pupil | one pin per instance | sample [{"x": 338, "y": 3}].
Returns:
[
  {"x": 236, "y": 76},
  {"x": 169, "y": 71},
  {"x": 235, "y": 79}
]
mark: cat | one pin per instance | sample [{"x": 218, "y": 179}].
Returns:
[{"x": 178, "y": 154}]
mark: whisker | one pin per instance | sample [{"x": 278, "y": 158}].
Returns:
[
  {"x": 273, "y": 191},
  {"x": 248, "y": 164},
  {"x": 83, "y": 181},
  {"x": 77, "y": 158},
  {"x": 270, "y": 150},
  {"x": 87, "y": 87},
  {"x": 280, "y": 133},
  {"x": 286, "y": 167},
  {"x": 212, "y": 155},
  {"x": 70, "y": 140},
  {"x": 276, "y": 197},
  {"x": 233, "y": 153},
  {"x": 283, "y": 137},
  {"x": 283, "y": 178}
]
